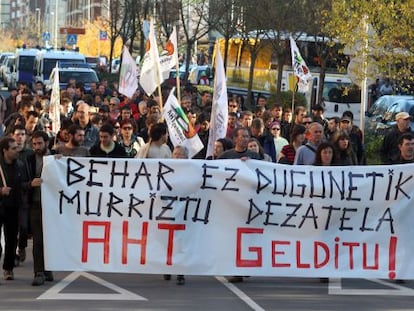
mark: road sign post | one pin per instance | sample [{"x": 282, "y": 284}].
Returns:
[
  {"x": 71, "y": 39},
  {"x": 46, "y": 36}
]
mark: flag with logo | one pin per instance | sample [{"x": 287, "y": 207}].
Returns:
[
  {"x": 151, "y": 74},
  {"x": 219, "y": 111},
  {"x": 300, "y": 68},
  {"x": 54, "y": 108},
  {"x": 169, "y": 57},
  {"x": 128, "y": 81},
  {"x": 179, "y": 127}
]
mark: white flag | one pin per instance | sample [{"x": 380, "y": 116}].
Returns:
[
  {"x": 179, "y": 127},
  {"x": 220, "y": 110},
  {"x": 169, "y": 57},
  {"x": 151, "y": 74},
  {"x": 300, "y": 68},
  {"x": 128, "y": 81},
  {"x": 54, "y": 108}
]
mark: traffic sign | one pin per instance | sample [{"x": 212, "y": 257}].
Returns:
[
  {"x": 71, "y": 39},
  {"x": 46, "y": 36},
  {"x": 103, "y": 35}
]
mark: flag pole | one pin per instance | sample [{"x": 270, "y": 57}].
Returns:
[
  {"x": 177, "y": 79},
  {"x": 161, "y": 103},
  {"x": 177, "y": 76},
  {"x": 293, "y": 94}
]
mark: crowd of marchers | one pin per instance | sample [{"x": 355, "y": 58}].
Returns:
[{"x": 101, "y": 122}]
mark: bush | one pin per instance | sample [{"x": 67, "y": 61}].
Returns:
[
  {"x": 372, "y": 147},
  {"x": 286, "y": 99}
]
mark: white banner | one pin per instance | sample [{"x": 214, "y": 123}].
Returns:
[
  {"x": 228, "y": 217},
  {"x": 169, "y": 56},
  {"x": 54, "y": 109},
  {"x": 220, "y": 109},
  {"x": 181, "y": 131},
  {"x": 300, "y": 68},
  {"x": 128, "y": 78},
  {"x": 151, "y": 73}
]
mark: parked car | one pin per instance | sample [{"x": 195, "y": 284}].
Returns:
[
  {"x": 9, "y": 73},
  {"x": 93, "y": 62},
  {"x": 172, "y": 78},
  {"x": 3, "y": 56},
  {"x": 381, "y": 115},
  {"x": 115, "y": 65},
  {"x": 198, "y": 75}
]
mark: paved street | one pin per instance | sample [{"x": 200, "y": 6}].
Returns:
[{"x": 100, "y": 291}]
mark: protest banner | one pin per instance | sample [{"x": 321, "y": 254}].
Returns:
[{"x": 227, "y": 217}]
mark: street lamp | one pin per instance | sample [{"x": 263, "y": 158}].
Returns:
[
  {"x": 56, "y": 23},
  {"x": 51, "y": 24},
  {"x": 38, "y": 23}
]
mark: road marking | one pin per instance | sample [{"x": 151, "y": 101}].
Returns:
[
  {"x": 54, "y": 293},
  {"x": 335, "y": 288},
  {"x": 239, "y": 293}
]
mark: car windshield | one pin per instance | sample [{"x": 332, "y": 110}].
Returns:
[
  {"x": 26, "y": 63},
  {"x": 379, "y": 107},
  {"x": 92, "y": 60},
  {"x": 340, "y": 92},
  {"x": 83, "y": 77},
  {"x": 173, "y": 74},
  {"x": 399, "y": 106},
  {"x": 50, "y": 63}
]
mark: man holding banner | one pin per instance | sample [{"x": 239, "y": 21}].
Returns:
[
  {"x": 11, "y": 174},
  {"x": 39, "y": 142}
]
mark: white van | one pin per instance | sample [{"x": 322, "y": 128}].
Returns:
[
  {"x": 339, "y": 95},
  {"x": 46, "y": 60}
]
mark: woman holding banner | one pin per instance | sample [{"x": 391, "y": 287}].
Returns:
[{"x": 324, "y": 156}]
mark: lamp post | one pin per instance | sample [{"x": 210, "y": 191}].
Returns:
[
  {"x": 51, "y": 24},
  {"x": 89, "y": 11},
  {"x": 38, "y": 23},
  {"x": 56, "y": 23}
]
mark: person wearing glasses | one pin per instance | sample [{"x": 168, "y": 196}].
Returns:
[
  {"x": 114, "y": 112},
  {"x": 274, "y": 142},
  {"x": 127, "y": 139},
  {"x": 306, "y": 122},
  {"x": 233, "y": 105},
  {"x": 83, "y": 120}
]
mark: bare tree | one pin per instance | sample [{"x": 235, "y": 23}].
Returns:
[
  {"x": 116, "y": 23},
  {"x": 230, "y": 21},
  {"x": 169, "y": 16},
  {"x": 279, "y": 18},
  {"x": 196, "y": 21}
]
